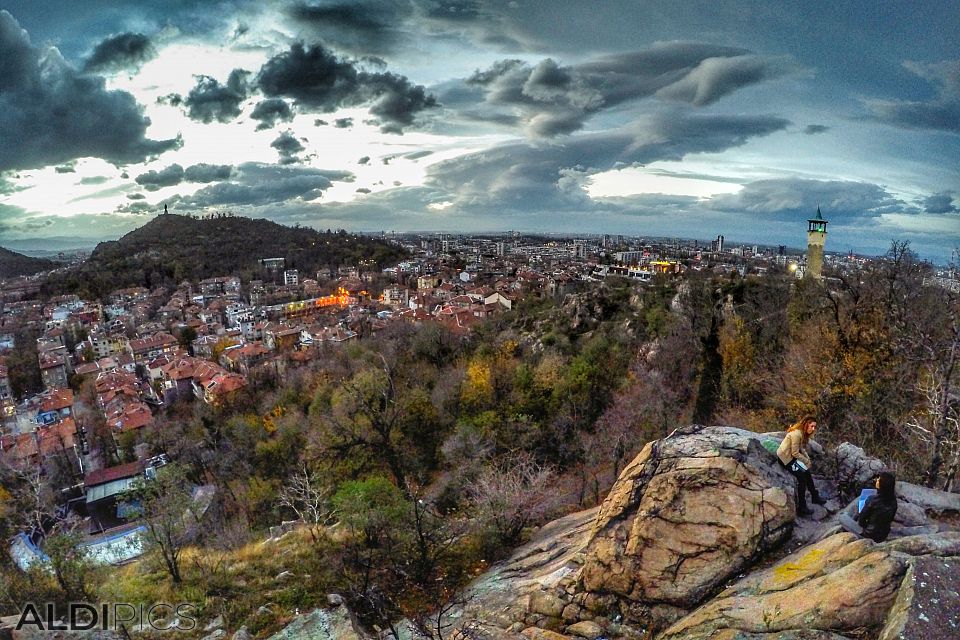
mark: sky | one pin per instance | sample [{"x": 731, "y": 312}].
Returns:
[{"x": 636, "y": 117}]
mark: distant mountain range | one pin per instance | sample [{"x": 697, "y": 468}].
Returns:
[
  {"x": 16, "y": 264},
  {"x": 51, "y": 245},
  {"x": 171, "y": 248}
]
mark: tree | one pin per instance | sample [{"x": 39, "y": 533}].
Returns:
[
  {"x": 510, "y": 494},
  {"x": 366, "y": 416},
  {"x": 936, "y": 418},
  {"x": 71, "y": 565},
  {"x": 376, "y": 515},
  {"x": 307, "y": 496},
  {"x": 166, "y": 507}
]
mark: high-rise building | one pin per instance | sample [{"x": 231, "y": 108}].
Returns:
[{"x": 816, "y": 239}]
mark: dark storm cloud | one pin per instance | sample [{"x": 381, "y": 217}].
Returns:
[
  {"x": 343, "y": 123},
  {"x": 167, "y": 177},
  {"x": 175, "y": 174},
  {"x": 209, "y": 100},
  {"x": 271, "y": 111},
  {"x": 288, "y": 147},
  {"x": 316, "y": 78},
  {"x": 122, "y": 51},
  {"x": 363, "y": 160},
  {"x": 360, "y": 28},
  {"x": 550, "y": 99},
  {"x": 204, "y": 172},
  {"x": 50, "y": 113},
  {"x": 94, "y": 180},
  {"x": 795, "y": 196},
  {"x": 522, "y": 176},
  {"x": 940, "y": 203},
  {"x": 938, "y": 114},
  {"x": 812, "y": 129},
  {"x": 136, "y": 196},
  {"x": 256, "y": 184},
  {"x": 65, "y": 168}
]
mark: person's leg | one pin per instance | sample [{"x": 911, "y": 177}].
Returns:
[
  {"x": 848, "y": 523},
  {"x": 802, "y": 508},
  {"x": 799, "y": 492},
  {"x": 808, "y": 481}
]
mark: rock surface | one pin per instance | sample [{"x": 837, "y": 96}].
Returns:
[
  {"x": 840, "y": 584},
  {"x": 321, "y": 624},
  {"x": 928, "y": 605},
  {"x": 855, "y": 469},
  {"x": 690, "y": 511}
]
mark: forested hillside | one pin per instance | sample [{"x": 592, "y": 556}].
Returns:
[
  {"x": 16, "y": 264},
  {"x": 172, "y": 248}
]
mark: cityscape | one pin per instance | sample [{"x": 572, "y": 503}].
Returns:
[{"x": 478, "y": 320}]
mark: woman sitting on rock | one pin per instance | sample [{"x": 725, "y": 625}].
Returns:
[
  {"x": 792, "y": 453},
  {"x": 874, "y": 519}
]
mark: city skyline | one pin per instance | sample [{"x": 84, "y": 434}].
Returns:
[{"x": 670, "y": 119}]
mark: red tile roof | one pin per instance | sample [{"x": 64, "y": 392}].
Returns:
[
  {"x": 101, "y": 476},
  {"x": 56, "y": 400}
]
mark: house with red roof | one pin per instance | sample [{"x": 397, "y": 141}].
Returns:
[
  {"x": 55, "y": 406},
  {"x": 243, "y": 359},
  {"x": 149, "y": 347}
]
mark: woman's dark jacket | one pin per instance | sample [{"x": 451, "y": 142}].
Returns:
[{"x": 876, "y": 516}]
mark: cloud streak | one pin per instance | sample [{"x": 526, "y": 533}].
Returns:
[
  {"x": 548, "y": 99},
  {"x": 938, "y": 114}
]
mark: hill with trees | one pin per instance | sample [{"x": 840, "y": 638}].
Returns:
[
  {"x": 14, "y": 264},
  {"x": 172, "y": 248}
]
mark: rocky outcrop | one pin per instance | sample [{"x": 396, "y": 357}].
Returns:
[
  {"x": 855, "y": 469},
  {"x": 696, "y": 510},
  {"x": 906, "y": 587},
  {"x": 928, "y": 604},
  {"x": 840, "y": 584},
  {"x": 690, "y": 511},
  {"x": 334, "y": 623}
]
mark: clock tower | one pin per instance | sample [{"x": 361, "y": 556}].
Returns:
[{"x": 816, "y": 238}]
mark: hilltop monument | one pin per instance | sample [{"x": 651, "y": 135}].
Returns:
[{"x": 816, "y": 238}]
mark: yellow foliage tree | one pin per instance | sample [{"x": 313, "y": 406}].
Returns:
[{"x": 477, "y": 389}]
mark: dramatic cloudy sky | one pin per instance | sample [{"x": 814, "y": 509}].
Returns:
[{"x": 643, "y": 117}]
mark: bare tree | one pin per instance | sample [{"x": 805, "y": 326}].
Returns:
[
  {"x": 511, "y": 494},
  {"x": 308, "y": 497},
  {"x": 35, "y": 496},
  {"x": 936, "y": 420}
]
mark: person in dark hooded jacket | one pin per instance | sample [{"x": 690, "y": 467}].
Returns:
[{"x": 878, "y": 511}]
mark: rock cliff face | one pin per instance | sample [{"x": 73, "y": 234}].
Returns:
[
  {"x": 669, "y": 554},
  {"x": 690, "y": 511}
]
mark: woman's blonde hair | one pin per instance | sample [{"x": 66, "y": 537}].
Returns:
[{"x": 801, "y": 426}]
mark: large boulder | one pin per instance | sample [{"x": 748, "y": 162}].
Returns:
[
  {"x": 903, "y": 589},
  {"x": 928, "y": 603},
  {"x": 692, "y": 510},
  {"x": 855, "y": 469},
  {"x": 839, "y": 584}
]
